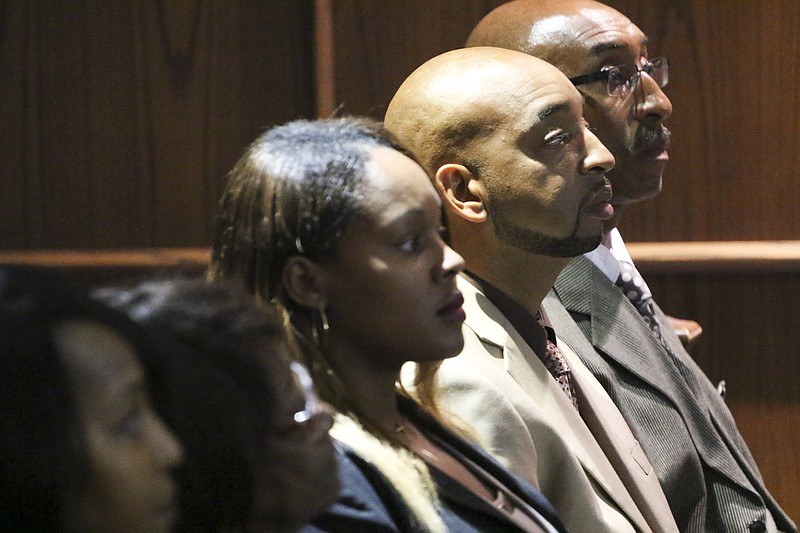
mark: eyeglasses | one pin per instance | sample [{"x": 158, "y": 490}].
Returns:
[
  {"x": 312, "y": 408},
  {"x": 621, "y": 79}
]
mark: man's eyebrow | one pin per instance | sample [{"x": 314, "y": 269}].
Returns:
[
  {"x": 551, "y": 109},
  {"x": 601, "y": 48}
]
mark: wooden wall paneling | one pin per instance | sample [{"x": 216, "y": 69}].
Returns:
[
  {"x": 62, "y": 100},
  {"x": 13, "y": 141},
  {"x": 378, "y": 44},
  {"x": 117, "y": 154},
  {"x": 125, "y": 117},
  {"x": 271, "y": 80},
  {"x": 218, "y": 73},
  {"x": 733, "y": 173},
  {"x": 324, "y": 58},
  {"x": 178, "y": 40}
]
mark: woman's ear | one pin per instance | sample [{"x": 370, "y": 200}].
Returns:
[
  {"x": 303, "y": 281},
  {"x": 461, "y": 192}
]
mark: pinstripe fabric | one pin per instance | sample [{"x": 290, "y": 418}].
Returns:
[{"x": 708, "y": 474}]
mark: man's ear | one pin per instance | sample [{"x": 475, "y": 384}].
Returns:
[
  {"x": 461, "y": 192},
  {"x": 304, "y": 282}
]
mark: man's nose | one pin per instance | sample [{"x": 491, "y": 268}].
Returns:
[
  {"x": 598, "y": 159},
  {"x": 651, "y": 102}
]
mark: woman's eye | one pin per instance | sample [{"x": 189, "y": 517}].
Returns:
[
  {"x": 557, "y": 138},
  {"x": 411, "y": 244}
]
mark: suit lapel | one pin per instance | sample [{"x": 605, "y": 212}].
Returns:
[
  {"x": 619, "y": 332},
  {"x": 617, "y": 329},
  {"x": 621, "y": 447},
  {"x": 529, "y": 372}
]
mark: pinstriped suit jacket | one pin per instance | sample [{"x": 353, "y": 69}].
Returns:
[{"x": 708, "y": 474}]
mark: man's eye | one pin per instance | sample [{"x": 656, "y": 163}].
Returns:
[
  {"x": 557, "y": 139},
  {"x": 616, "y": 77}
]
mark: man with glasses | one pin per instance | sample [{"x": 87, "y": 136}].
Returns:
[{"x": 600, "y": 307}]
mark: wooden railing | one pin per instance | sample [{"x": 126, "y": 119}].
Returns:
[{"x": 656, "y": 257}]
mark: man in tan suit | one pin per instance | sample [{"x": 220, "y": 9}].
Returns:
[
  {"x": 705, "y": 467},
  {"x": 523, "y": 186}
]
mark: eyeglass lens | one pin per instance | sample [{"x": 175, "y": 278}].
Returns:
[{"x": 623, "y": 78}]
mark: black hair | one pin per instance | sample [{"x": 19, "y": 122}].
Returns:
[
  {"x": 293, "y": 191},
  {"x": 218, "y": 397},
  {"x": 44, "y": 462}
]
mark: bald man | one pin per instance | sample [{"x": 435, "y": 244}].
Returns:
[
  {"x": 523, "y": 186},
  {"x": 708, "y": 474}
]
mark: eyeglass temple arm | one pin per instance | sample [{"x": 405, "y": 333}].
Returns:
[{"x": 589, "y": 78}]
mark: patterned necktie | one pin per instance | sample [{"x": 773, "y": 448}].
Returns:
[
  {"x": 556, "y": 364},
  {"x": 632, "y": 285}
]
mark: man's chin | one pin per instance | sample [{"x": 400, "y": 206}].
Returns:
[{"x": 645, "y": 188}]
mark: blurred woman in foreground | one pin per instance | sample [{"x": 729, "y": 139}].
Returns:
[{"x": 81, "y": 448}]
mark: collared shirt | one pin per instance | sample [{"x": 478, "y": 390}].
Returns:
[
  {"x": 608, "y": 255},
  {"x": 529, "y": 328}
]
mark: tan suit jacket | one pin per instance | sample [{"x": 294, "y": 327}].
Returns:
[{"x": 596, "y": 482}]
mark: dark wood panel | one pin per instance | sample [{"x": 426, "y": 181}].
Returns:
[
  {"x": 14, "y": 139},
  {"x": 735, "y": 87},
  {"x": 771, "y": 431},
  {"x": 378, "y": 44},
  {"x": 123, "y": 118}
]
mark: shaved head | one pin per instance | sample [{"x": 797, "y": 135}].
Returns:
[
  {"x": 583, "y": 37},
  {"x": 501, "y": 135},
  {"x": 547, "y": 29},
  {"x": 462, "y": 96}
]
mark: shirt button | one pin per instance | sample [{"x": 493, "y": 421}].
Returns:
[{"x": 757, "y": 526}]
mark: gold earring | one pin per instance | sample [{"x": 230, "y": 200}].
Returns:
[{"x": 320, "y": 339}]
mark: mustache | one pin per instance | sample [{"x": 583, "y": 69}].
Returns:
[{"x": 651, "y": 141}]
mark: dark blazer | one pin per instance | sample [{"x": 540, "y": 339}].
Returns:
[
  {"x": 705, "y": 468},
  {"x": 369, "y": 503}
]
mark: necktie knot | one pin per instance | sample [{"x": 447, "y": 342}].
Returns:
[{"x": 633, "y": 286}]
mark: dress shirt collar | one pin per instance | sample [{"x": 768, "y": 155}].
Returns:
[
  {"x": 531, "y": 331},
  {"x": 609, "y": 254}
]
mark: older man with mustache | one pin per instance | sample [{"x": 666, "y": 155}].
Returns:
[{"x": 600, "y": 307}]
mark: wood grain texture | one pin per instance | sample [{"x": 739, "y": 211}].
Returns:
[
  {"x": 378, "y": 44},
  {"x": 121, "y": 119},
  {"x": 735, "y": 88}
]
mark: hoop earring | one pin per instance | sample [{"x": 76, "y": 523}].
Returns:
[{"x": 320, "y": 339}]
